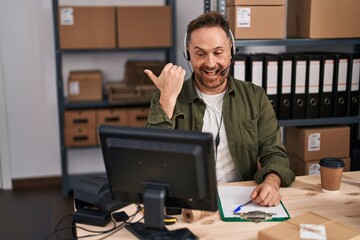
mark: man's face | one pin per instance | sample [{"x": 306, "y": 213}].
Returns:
[{"x": 210, "y": 54}]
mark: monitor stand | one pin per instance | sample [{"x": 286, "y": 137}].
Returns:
[{"x": 153, "y": 226}]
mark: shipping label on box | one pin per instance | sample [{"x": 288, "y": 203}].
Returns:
[
  {"x": 314, "y": 141},
  {"x": 67, "y": 16},
  {"x": 243, "y": 19}
]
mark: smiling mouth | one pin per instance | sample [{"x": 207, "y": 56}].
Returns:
[{"x": 213, "y": 72}]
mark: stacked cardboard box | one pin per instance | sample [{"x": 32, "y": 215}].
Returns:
[
  {"x": 147, "y": 26},
  {"x": 307, "y": 145},
  {"x": 85, "y": 86},
  {"x": 257, "y": 19},
  {"x": 87, "y": 27},
  {"x": 291, "y": 229},
  {"x": 323, "y": 18},
  {"x": 80, "y": 128},
  {"x": 81, "y": 125},
  {"x": 136, "y": 85},
  {"x": 115, "y": 27}
]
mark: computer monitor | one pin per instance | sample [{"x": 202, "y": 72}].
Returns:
[{"x": 159, "y": 168}]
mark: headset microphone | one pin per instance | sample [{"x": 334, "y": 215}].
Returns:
[{"x": 226, "y": 69}]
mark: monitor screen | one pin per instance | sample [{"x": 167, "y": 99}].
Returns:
[{"x": 160, "y": 167}]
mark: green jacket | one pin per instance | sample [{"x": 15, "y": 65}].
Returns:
[{"x": 250, "y": 122}]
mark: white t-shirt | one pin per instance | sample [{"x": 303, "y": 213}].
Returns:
[{"x": 213, "y": 123}]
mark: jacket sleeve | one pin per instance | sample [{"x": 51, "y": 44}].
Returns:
[
  {"x": 157, "y": 117},
  {"x": 272, "y": 152}
]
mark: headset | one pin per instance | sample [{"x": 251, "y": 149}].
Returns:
[{"x": 234, "y": 51}]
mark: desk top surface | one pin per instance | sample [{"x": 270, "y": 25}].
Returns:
[{"x": 303, "y": 195}]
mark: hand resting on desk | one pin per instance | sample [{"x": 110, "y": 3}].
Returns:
[{"x": 267, "y": 193}]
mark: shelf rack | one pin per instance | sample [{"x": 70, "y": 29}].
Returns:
[{"x": 170, "y": 56}]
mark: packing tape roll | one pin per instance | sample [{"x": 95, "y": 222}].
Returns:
[{"x": 194, "y": 215}]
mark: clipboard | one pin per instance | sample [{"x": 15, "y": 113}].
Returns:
[{"x": 232, "y": 196}]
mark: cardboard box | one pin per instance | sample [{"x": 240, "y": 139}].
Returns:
[
  {"x": 257, "y": 22},
  {"x": 148, "y": 26},
  {"x": 86, "y": 27},
  {"x": 80, "y": 136},
  {"x": 323, "y": 18},
  {"x": 313, "y": 143},
  {"x": 138, "y": 116},
  {"x": 134, "y": 71},
  {"x": 80, "y": 118},
  {"x": 85, "y": 86},
  {"x": 301, "y": 167},
  {"x": 291, "y": 228},
  {"x": 255, "y": 2},
  {"x": 112, "y": 117}
]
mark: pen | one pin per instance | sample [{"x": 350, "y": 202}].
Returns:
[{"x": 242, "y": 205}]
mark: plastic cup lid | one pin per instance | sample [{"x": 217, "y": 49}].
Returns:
[{"x": 332, "y": 162}]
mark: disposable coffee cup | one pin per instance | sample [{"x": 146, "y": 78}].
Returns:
[{"x": 331, "y": 170}]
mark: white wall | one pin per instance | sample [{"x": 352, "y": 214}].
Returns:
[
  {"x": 27, "y": 51},
  {"x": 29, "y": 85}
]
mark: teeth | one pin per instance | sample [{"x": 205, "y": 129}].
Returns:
[{"x": 212, "y": 72}]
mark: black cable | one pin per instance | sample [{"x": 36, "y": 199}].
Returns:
[
  {"x": 95, "y": 233},
  {"x": 57, "y": 230}
]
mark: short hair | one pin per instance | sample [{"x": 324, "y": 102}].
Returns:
[{"x": 209, "y": 19}]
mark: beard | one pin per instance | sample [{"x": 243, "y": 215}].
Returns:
[{"x": 210, "y": 78}]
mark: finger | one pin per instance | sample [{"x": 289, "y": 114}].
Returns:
[
  {"x": 151, "y": 75},
  {"x": 183, "y": 73},
  {"x": 167, "y": 67}
]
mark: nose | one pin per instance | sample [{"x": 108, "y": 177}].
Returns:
[{"x": 211, "y": 61}]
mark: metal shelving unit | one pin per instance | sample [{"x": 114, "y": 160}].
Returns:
[
  {"x": 170, "y": 56},
  {"x": 220, "y": 6}
]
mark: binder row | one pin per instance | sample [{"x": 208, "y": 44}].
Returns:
[{"x": 304, "y": 84}]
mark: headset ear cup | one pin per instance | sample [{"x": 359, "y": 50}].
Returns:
[
  {"x": 234, "y": 49},
  {"x": 185, "y": 51}
]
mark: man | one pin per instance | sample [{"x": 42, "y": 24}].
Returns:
[{"x": 237, "y": 113}]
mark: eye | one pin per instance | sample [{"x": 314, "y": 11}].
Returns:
[
  {"x": 218, "y": 53},
  {"x": 200, "y": 54}
]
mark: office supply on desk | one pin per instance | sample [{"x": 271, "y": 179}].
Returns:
[
  {"x": 190, "y": 215},
  {"x": 238, "y": 208},
  {"x": 93, "y": 202},
  {"x": 230, "y": 196}
]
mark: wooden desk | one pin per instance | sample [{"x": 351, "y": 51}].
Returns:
[{"x": 304, "y": 195}]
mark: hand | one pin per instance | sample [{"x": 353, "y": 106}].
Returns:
[
  {"x": 169, "y": 83},
  {"x": 267, "y": 193}
]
